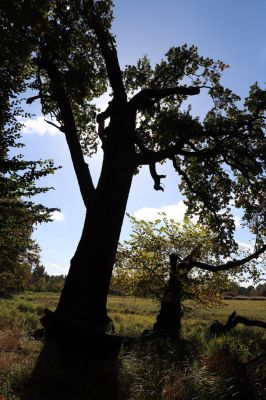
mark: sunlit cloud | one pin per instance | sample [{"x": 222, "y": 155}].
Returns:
[
  {"x": 237, "y": 220},
  {"x": 55, "y": 269},
  {"x": 38, "y": 126},
  {"x": 173, "y": 211},
  {"x": 242, "y": 246},
  {"x": 57, "y": 216}
]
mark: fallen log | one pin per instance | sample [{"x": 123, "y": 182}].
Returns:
[{"x": 217, "y": 328}]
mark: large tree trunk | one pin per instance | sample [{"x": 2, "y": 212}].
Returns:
[
  {"x": 76, "y": 350},
  {"x": 83, "y": 300}
]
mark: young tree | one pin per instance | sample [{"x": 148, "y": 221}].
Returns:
[
  {"x": 157, "y": 261},
  {"x": 143, "y": 260},
  {"x": 73, "y": 60}
]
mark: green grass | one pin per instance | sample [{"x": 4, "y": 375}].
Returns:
[
  {"x": 127, "y": 311},
  {"x": 146, "y": 373}
]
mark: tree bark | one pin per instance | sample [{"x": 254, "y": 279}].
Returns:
[{"x": 168, "y": 323}]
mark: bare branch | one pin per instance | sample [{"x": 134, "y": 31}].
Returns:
[
  {"x": 152, "y": 270},
  {"x": 222, "y": 267},
  {"x": 32, "y": 99},
  {"x": 170, "y": 152},
  {"x": 157, "y": 178},
  {"x": 217, "y": 328},
  {"x": 60, "y": 128}
]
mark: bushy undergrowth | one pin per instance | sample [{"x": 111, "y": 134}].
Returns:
[{"x": 202, "y": 367}]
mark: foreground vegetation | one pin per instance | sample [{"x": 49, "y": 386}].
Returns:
[{"x": 202, "y": 368}]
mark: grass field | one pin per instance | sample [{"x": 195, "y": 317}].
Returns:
[
  {"x": 133, "y": 315},
  {"x": 137, "y": 313},
  {"x": 147, "y": 376}
]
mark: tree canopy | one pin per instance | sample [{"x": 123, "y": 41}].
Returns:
[
  {"x": 71, "y": 59},
  {"x": 220, "y": 158}
]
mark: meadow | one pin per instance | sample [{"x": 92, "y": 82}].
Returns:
[{"x": 203, "y": 367}]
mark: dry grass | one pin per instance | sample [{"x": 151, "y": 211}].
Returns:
[{"x": 145, "y": 375}]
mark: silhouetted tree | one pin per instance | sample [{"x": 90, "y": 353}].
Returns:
[{"x": 72, "y": 60}]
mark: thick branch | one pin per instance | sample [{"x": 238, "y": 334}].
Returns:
[
  {"x": 157, "y": 178},
  {"x": 69, "y": 128},
  {"x": 222, "y": 267},
  {"x": 146, "y": 97},
  {"x": 150, "y": 156},
  {"x": 108, "y": 49},
  {"x": 103, "y": 115},
  {"x": 156, "y": 156},
  {"x": 32, "y": 99},
  {"x": 202, "y": 154}
]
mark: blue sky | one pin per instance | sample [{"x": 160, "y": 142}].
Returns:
[{"x": 232, "y": 31}]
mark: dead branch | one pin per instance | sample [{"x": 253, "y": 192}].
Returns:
[
  {"x": 217, "y": 328},
  {"x": 157, "y": 178}
]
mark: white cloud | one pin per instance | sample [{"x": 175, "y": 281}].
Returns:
[
  {"x": 57, "y": 216},
  {"x": 38, "y": 126},
  {"x": 174, "y": 211},
  {"x": 244, "y": 246},
  {"x": 55, "y": 269},
  {"x": 237, "y": 220}
]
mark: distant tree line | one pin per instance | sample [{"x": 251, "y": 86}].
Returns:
[
  {"x": 119, "y": 288},
  {"x": 42, "y": 282},
  {"x": 238, "y": 290},
  {"x": 29, "y": 274}
]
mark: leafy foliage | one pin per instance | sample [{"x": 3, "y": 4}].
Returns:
[
  {"x": 142, "y": 264},
  {"x": 18, "y": 177},
  {"x": 221, "y": 159}
]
